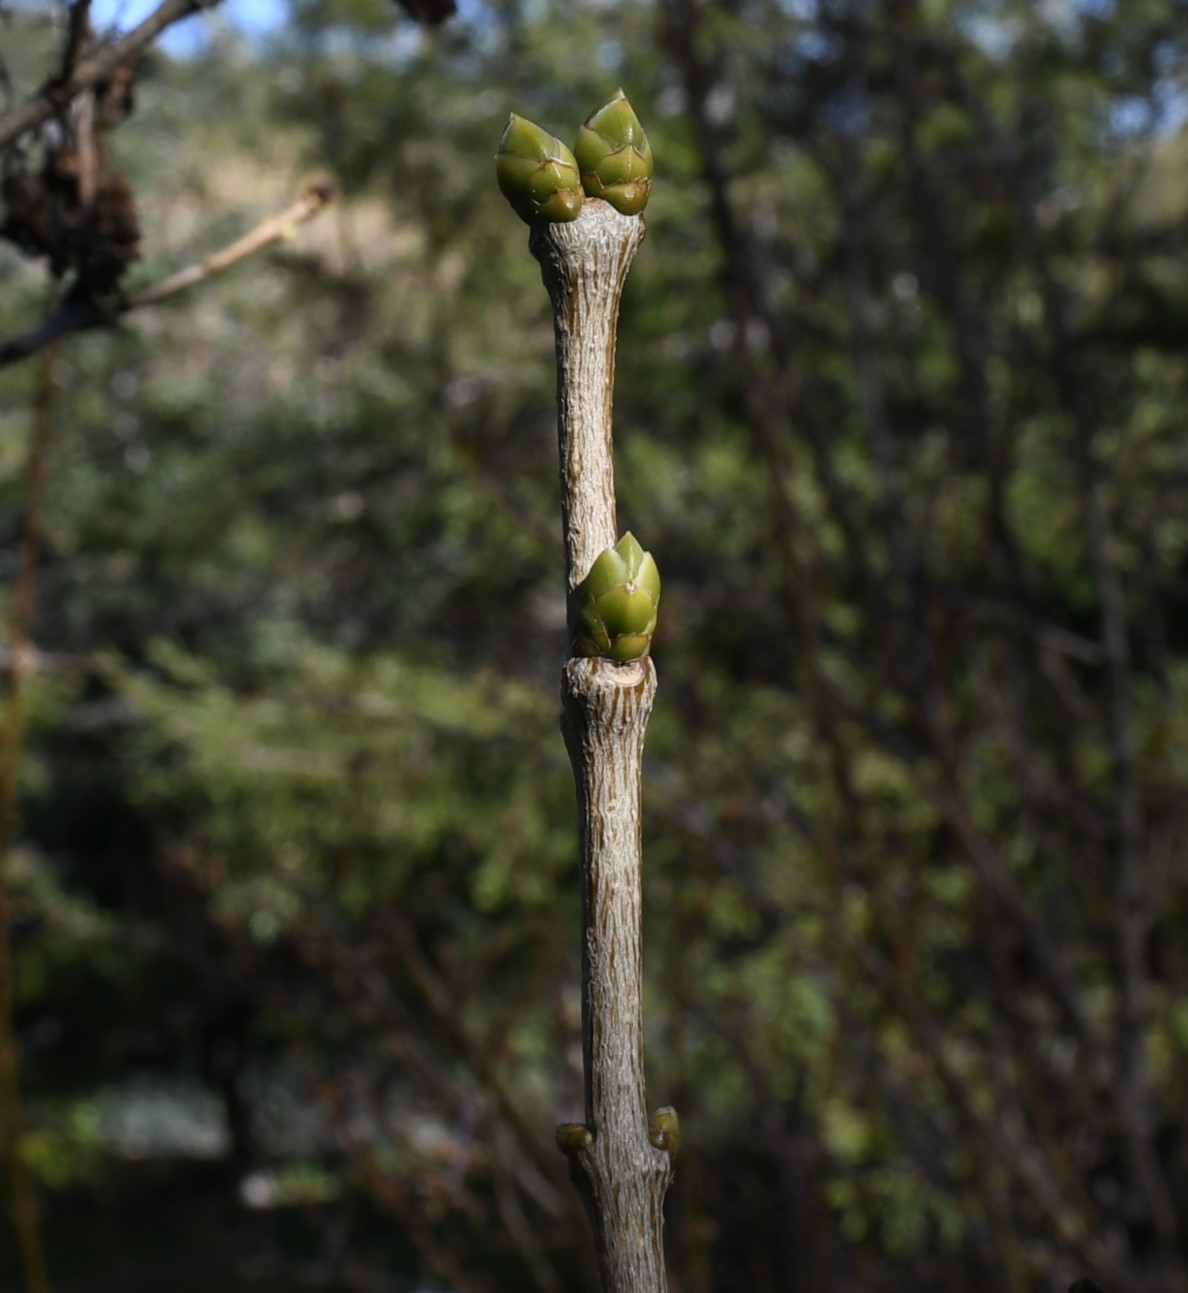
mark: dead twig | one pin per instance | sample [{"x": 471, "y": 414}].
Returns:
[
  {"x": 53, "y": 98},
  {"x": 83, "y": 315},
  {"x": 266, "y": 234}
]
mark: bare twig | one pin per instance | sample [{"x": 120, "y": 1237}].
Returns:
[
  {"x": 621, "y": 1175},
  {"x": 84, "y": 315},
  {"x": 584, "y": 266},
  {"x": 76, "y": 35},
  {"x": 27, "y": 660},
  {"x": 67, "y": 318},
  {"x": 266, "y": 234},
  {"x": 88, "y": 153},
  {"x": 395, "y": 1195},
  {"x": 57, "y": 94}
]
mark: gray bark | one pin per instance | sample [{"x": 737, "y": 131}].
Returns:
[
  {"x": 584, "y": 265},
  {"x": 621, "y": 1175}
]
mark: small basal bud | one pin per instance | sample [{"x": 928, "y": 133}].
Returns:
[
  {"x": 615, "y": 158},
  {"x": 537, "y": 173},
  {"x": 664, "y": 1131},
  {"x": 573, "y": 1136},
  {"x": 617, "y": 603}
]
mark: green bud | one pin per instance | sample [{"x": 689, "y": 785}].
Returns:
[
  {"x": 615, "y": 158},
  {"x": 537, "y": 173},
  {"x": 617, "y": 603},
  {"x": 664, "y": 1131},
  {"x": 573, "y": 1136}
]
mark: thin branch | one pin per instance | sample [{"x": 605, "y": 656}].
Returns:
[
  {"x": 85, "y": 315},
  {"x": 69, "y": 317},
  {"x": 441, "y": 1001},
  {"x": 584, "y": 266},
  {"x": 395, "y": 1194},
  {"x": 88, "y": 155},
  {"x": 76, "y": 36},
  {"x": 621, "y": 1174},
  {"x": 56, "y": 96},
  {"x": 268, "y": 233},
  {"x": 27, "y": 660}
]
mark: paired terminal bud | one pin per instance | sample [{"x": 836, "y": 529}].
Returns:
[
  {"x": 537, "y": 173},
  {"x": 544, "y": 181},
  {"x": 617, "y": 603},
  {"x": 615, "y": 158}
]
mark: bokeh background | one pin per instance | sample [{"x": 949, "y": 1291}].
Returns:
[{"x": 902, "y": 410}]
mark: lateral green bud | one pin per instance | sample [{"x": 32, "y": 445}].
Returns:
[
  {"x": 537, "y": 173},
  {"x": 615, "y": 158},
  {"x": 664, "y": 1130},
  {"x": 573, "y": 1136},
  {"x": 617, "y": 603}
]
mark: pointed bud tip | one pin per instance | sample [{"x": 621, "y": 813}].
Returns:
[
  {"x": 628, "y": 547},
  {"x": 616, "y": 606},
  {"x": 537, "y": 173},
  {"x": 614, "y": 156}
]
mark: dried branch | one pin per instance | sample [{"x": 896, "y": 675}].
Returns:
[
  {"x": 28, "y": 660},
  {"x": 78, "y": 30},
  {"x": 82, "y": 315},
  {"x": 266, "y": 234},
  {"x": 394, "y": 1195},
  {"x": 56, "y": 95}
]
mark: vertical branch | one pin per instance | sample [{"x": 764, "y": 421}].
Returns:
[
  {"x": 12, "y": 732},
  {"x": 621, "y": 1174},
  {"x": 78, "y": 32},
  {"x": 584, "y": 265}
]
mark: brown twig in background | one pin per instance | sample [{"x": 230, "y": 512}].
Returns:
[
  {"x": 68, "y": 318},
  {"x": 88, "y": 153},
  {"x": 266, "y": 234},
  {"x": 55, "y": 96},
  {"x": 29, "y": 660},
  {"x": 78, "y": 29},
  {"x": 73, "y": 316},
  {"x": 12, "y": 731},
  {"x": 393, "y": 1195}
]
